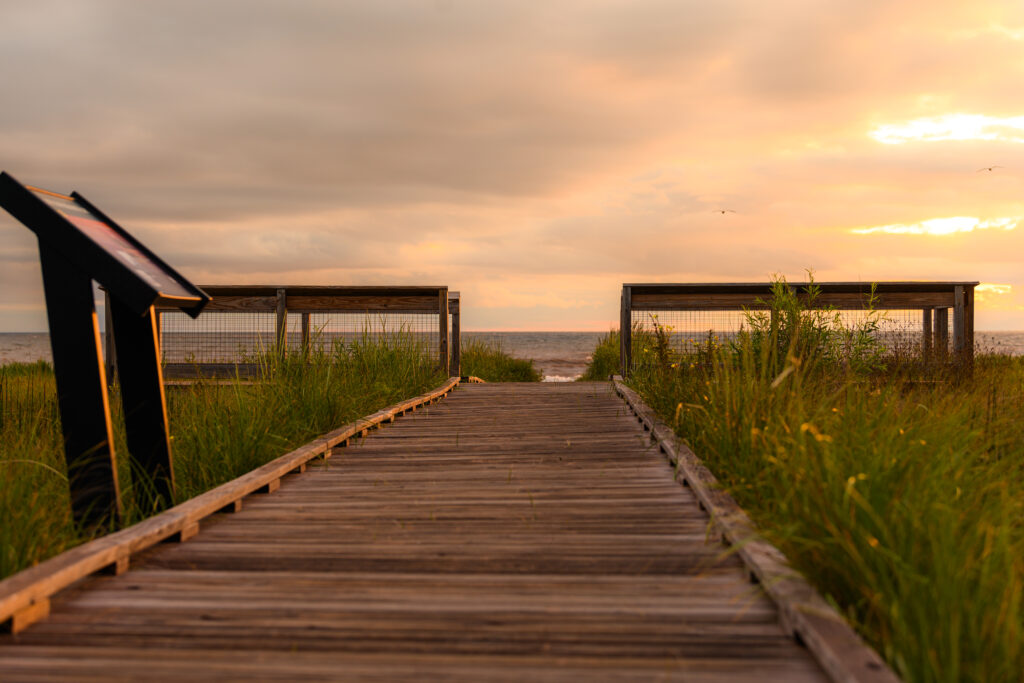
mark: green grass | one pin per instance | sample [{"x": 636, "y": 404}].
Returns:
[
  {"x": 489, "y": 362},
  {"x": 902, "y": 500},
  {"x": 218, "y": 431},
  {"x": 604, "y": 361}
]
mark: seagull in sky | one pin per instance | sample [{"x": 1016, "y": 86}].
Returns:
[
  {"x": 724, "y": 211},
  {"x": 988, "y": 168}
]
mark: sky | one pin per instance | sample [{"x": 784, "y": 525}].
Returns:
[{"x": 533, "y": 156}]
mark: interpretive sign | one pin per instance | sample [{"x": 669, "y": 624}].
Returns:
[{"x": 79, "y": 244}]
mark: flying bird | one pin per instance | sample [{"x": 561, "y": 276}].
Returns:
[
  {"x": 724, "y": 211},
  {"x": 988, "y": 168}
]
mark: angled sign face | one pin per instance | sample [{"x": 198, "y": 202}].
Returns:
[
  {"x": 100, "y": 248},
  {"x": 115, "y": 243}
]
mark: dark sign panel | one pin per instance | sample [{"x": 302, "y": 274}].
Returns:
[{"x": 114, "y": 243}]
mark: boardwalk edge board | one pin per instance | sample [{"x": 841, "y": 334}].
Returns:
[
  {"x": 803, "y": 612},
  {"x": 24, "y": 596}
]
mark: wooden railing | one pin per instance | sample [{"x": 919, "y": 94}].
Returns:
[
  {"x": 269, "y": 316},
  {"x": 925, "y": 306}
]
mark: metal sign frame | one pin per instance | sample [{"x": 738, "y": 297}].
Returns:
[{"x": 78, "y": 244}]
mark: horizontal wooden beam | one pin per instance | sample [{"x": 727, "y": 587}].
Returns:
[
  {"x": 326, "y": 290},
  {"x": 362, "y": 303},
  {"x": 324, "y": 303},
  {"x": 764, "y": 288},
  {"x": 667, "y": 301}
]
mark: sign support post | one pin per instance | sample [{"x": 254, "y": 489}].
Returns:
[
  {"x": 81, "y": 390},
  {"x": 145, "y": 413}
]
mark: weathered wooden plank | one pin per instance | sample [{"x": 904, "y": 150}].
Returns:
[
  {"x": 33, "y": 585},
  {"x": 473, "y": 540},
  {"x": 243, "y": 304},
  {"x": 363, "y": 303},
  {"x": 197, "y": 664}
]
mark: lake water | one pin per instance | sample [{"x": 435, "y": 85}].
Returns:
[{"x": 561, "y": 356}]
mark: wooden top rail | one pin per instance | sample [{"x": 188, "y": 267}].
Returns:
[
  {"x": 301, "y": 299},
  {"x": 28, "y": 592},
  {"x": 753, "y": 295}
]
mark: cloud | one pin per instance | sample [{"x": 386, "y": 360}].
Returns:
[{"x": 534, "y": 156}]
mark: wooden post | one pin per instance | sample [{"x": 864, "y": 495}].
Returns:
[
  {"x": 305, "y": 333},
  {"x": 142, "y": 395},
  {"x": 969, "y": 325},
  {"x": 454, "y": 306},
  {"x": 626, "y": 331},
  {"x": 941, "y": 332},
  {"x": 442, "y": 328},
  {"x": 81, "y": 390},
  {"x": 926, "y": 333},
  {"x": 109, "y": 350},
  {"x": 282, "y": 321},
  {"x": 959, "y": 328}
]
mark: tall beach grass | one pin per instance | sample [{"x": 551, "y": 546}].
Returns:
[
  {"x": 218, "y": 430},
  {"x": 604, "y": 361},
  {"x": 896, "y": 485},
  {"x": 490, "y": 362}
]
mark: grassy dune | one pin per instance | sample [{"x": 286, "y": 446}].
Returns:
[
  {"x": 604, "y": 361},
  {"x": 218, "y": 431},
  {"x": 895, "y": 486},
  {"x": 488, "y": 361}
]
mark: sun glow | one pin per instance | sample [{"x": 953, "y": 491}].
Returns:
[
  {"x": 952, "y": 127},
  {"x": 941, "y": 226},
  {"x": 994, "y": 295}
]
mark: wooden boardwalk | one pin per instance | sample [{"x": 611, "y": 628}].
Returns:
[{"x": 510, "y": 532}]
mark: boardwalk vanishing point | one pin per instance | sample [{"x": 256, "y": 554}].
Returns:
[{"x": 507, "y": 532}]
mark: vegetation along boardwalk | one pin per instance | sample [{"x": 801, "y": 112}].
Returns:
[{"x": 508, "y": 532}]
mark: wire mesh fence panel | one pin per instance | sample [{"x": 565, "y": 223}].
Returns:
[
  {"x": 242, "y": 337},
  {"x": 898, "y": 331},
  {"x": 216, "y": 337},
  {"x": 336, "y": 331},
  {"x": 685, "y": 330}
]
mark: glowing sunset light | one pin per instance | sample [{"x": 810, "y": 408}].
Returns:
[
  {"x": 941, "y": 226},
  {"x": 952, "y": 127},
  {"x": 991, "y": 288}
]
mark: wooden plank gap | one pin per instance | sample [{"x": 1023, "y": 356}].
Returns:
[
  {"x": 37, "y": 610},
  {"x": 233, "y": 506},
  {"x": 186, "y": 533},
  {"x": 270, "y": 486},
  {"x": 117, "y": 567}
]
